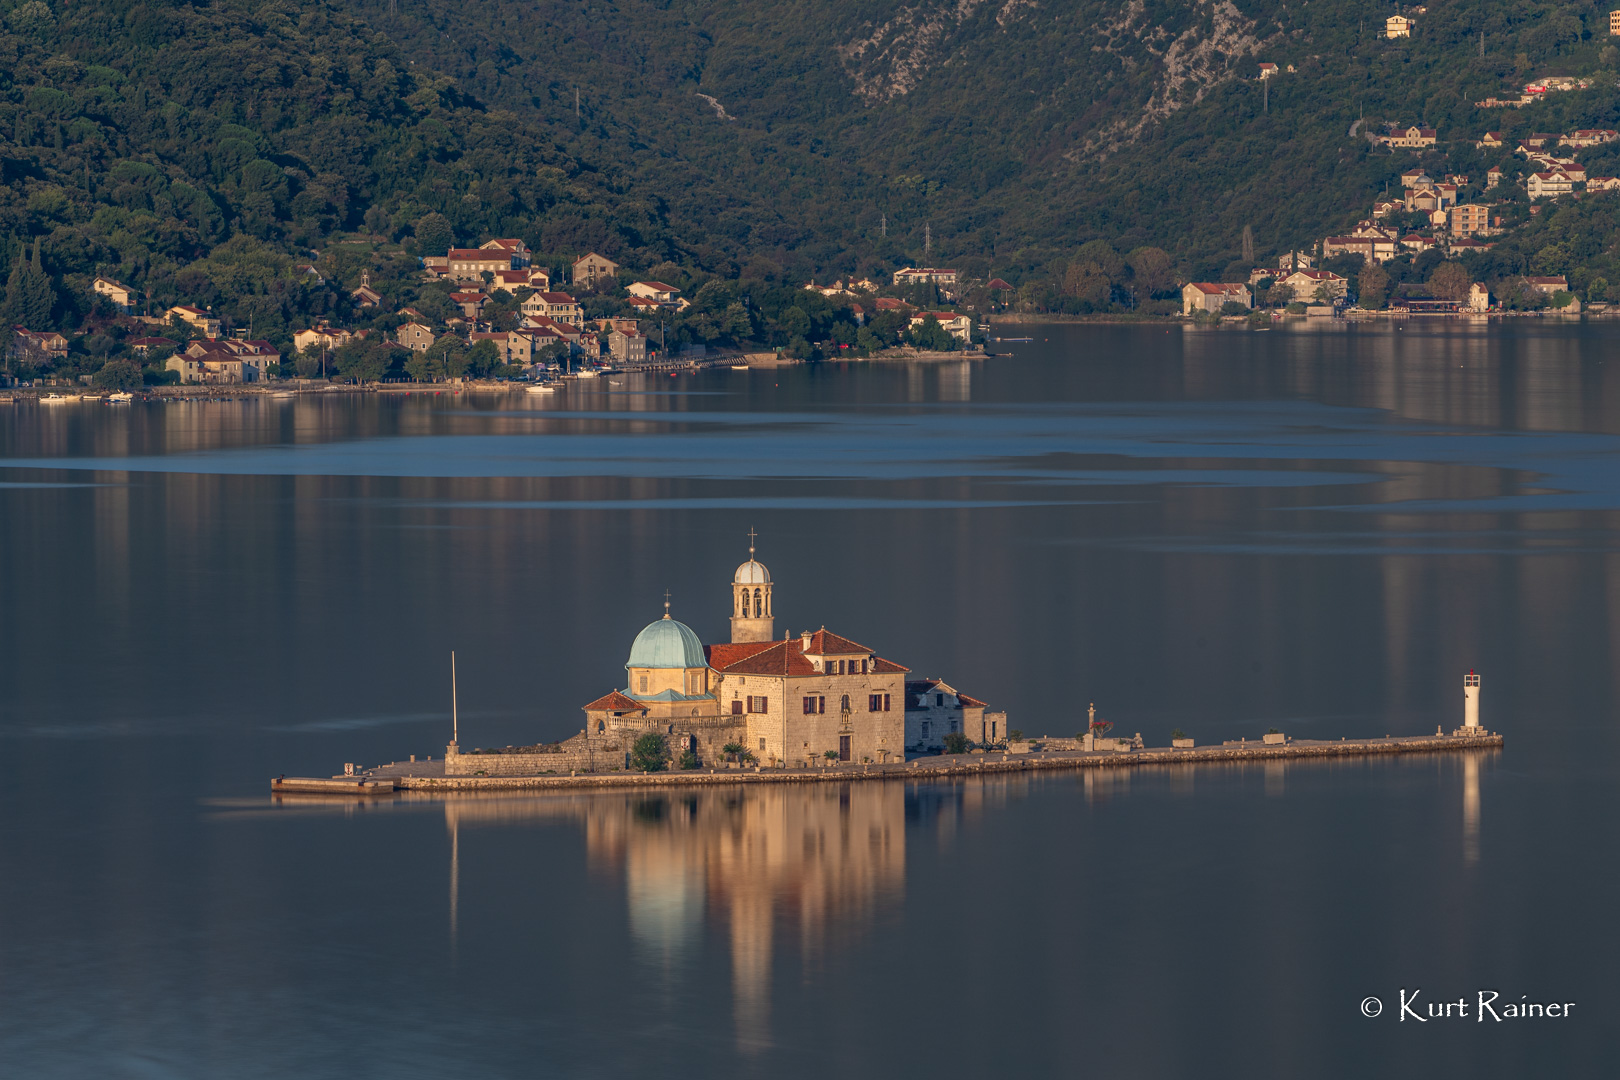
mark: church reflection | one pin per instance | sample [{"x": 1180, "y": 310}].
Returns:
[{"x": 774, "y": 864}]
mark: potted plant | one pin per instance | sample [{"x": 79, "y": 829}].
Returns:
[{"x": 1181, "y": 740}]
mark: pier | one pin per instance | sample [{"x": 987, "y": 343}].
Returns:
[{"x": 429, "y": 775}]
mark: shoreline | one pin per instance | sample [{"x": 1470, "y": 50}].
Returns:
[{"x": 422, "y": 776}]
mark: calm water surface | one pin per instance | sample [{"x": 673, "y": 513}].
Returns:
[{"x": 1315, "y": 530}]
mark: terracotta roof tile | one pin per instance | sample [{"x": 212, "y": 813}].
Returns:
[{"x": 615, "y": 702}]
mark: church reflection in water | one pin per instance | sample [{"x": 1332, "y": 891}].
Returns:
[{"x": 771, "y": 863}]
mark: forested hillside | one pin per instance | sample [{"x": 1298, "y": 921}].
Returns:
[{"x": 202, "y": 152}]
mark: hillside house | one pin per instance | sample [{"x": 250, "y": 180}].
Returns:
[
  {"x": 39, "y": 345},
  {"x": 204, "y": 322},
  {"x": 470, "y": 303},
  {"x": 1398, "y": 26},
  {"x": 924, "y": 275},
  {"x": 1479, "y": 298},
  {"x": 1306, "y": 284},
  {"x": 593, "y": 268},
  {"x": 1491, "y": 141},
  {"x": 322, "y": 337},
  {"x": 1267, "y": 71},
  {"x": 1603, "y": 183},
  {"x": 554, "y": 305},
  {"x": 1474, "y": 219},
  {"x": 513, "y": 249},
  {"x": 1549, "y": 185},
  {"x": 1413, "y": 178},
  {"x": 1548, "y": 285},
  {"x": 1493, "y": 177},
  {"x": 118, "y": 294},
  {"x": 1589, "y": 137},
  {"x": 1407, "y": 138},
  {"x": 143, "y": 346},
  {"x": 415, "y": 336},
  {"x": 1210, "y": 296},
  {"x": 655, "y": 291},
  {"x": 471, "y": 264}
]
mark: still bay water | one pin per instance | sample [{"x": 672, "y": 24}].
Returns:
[{"x": 1318, "y": 530}]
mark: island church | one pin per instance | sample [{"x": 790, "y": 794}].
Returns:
[{"x": 787, "y": 700}]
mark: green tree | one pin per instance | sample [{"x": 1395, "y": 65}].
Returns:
[
  {"x": 483, "y": 358},
  {"x": 930, "y": 335},
  {"x": 1372, "y": 286},
  {"x": 1451, "y": 281},
  {"x": 650, "y": 753},
  {"x": 957, "y": 743},
  {"x": 434, "y": 234},
  {"x": 30, "y": 297},
  {"x": 118, "y": 375}
]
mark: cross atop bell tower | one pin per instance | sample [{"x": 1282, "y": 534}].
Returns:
[{"x": 752, "y": 618}]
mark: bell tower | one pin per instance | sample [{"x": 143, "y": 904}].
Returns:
[{"x": 752, "y": 618}]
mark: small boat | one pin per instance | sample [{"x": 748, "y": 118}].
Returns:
[
  {"x": 57, "y": 399},
  {"x": 587, "y": 373},
  {"x": 739, "y": 367},
  {"x": 540, "y": 388},
  {"x": 123, "y": 397}
]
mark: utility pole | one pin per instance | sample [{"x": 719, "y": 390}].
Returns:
[
  {"x": 1482, "y": 44},
  {"x": 455, "y": 715},
  {"x": 883, "y": 224},
  {"x": 928, "y": 240},
  {"x": 1265, "y": 96}
]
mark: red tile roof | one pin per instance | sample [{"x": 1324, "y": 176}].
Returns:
[
  {"x": 826, "y": 643},
  {"x": 787, "y": 657},
  {"x": 616, "y": 702}
]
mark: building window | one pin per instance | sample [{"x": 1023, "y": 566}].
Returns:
[
  {"x": 844, "y": 704},
  {"x": 863, "y": 667},
  {"x": 643, "y": 684},
  {"x": 762, "y": 746},
  {"x": 759, "y": 605},
  {"x": 953, "y": 726},
  {"x": 815, "y": 703},
  {"x": 877, "y": 703},
  {"x": 758, "y": 704},
  {"x": 992, "y": 730},
  {"x": 925, "y": 729},
  {"x": 736, "y": 708},
  {"x": 939, "y": 699}
]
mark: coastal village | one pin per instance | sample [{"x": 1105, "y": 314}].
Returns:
[
  {"x": 494, "y": 312},
  {"x": 1444, "y": 216},
  {"x": 504, "y": 317}
]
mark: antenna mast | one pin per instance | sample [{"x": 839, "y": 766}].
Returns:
[{"x": 455, "y": 718}]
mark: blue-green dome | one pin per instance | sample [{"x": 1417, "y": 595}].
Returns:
[{"x": 667, "y": 643}]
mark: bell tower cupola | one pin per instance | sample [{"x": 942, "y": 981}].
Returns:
[{"x": 751, "y": 616}]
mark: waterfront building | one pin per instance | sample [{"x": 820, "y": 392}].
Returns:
[
  {"x": 797, "y": 700},
  {"x": 1211, "y": 296}
]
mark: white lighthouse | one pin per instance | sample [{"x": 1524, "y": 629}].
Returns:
[{"x": 1470, "y": 703}]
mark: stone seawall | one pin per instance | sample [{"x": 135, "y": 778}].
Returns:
[{"x": 954, "y": 765}]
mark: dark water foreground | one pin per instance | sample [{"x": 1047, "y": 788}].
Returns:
[{"x": 1221, "y": 532}]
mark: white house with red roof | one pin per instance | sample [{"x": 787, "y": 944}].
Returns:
[{"x": 655, "y": 291}]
